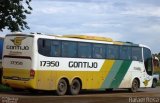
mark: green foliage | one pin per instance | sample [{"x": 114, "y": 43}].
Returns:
[
  {"x": 157, "y": 55},
  {"x": 158, "y": 83},
  {"x": 157, "y": 70},
  {"x": 13, "y": 14},
  {"x": 4, "y": 88}
]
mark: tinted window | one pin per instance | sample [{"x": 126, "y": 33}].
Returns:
[
  {"x": 137, "y": 53},
  {"x": 84, "y": 50},
  {"x": 113, "y": 52},
  {"x": 69, "y": 49},
  {"x": 44, "y": 47},
  {"x": 125, "y": 52},
  {"x": 56, "y": 48},
  {"x": 98, "y": 51}
]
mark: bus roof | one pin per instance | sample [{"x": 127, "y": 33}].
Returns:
[
  {"x": 97, "y": 38},
  {"x": 85, "y": 38}
]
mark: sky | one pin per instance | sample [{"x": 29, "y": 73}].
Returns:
[{"x": 136, "y": 21}]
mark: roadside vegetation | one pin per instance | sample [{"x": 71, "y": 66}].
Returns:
[
  {"x": 158, "y": 83},
  {"x": 157, "y": 71},
  {"x": 4, "y": 88}
]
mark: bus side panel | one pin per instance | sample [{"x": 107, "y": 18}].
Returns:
[
  {"x": 48, "y": 79},
  {"x": 136, "y": 70},
  {"x": 116, "y": 74}
]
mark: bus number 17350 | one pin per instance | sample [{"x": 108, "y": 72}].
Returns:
[{"x": 49, "y": 63}]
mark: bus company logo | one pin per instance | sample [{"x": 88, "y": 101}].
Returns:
[
  {"x": 17, "y": 41},
  {"x": 145, "y": 82}
]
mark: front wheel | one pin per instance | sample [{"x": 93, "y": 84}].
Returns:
[
  {"x": 75, "y": 87},
  {"x": 62, "y": 87},
  {"x": 135, "y": 86}
]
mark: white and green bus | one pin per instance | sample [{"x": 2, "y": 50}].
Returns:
[{"x": 68, "y": 64}]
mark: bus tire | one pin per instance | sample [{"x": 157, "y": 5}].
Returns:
[
  {"x": 61, "y": 87},
  {"x": 135, "y": 86},
  {"x": 75, "y": 87},
  {"x": 154, "y": 83}
]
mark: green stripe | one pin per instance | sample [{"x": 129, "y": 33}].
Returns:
[
  {"x": 120, "y": 75},
  {"x": 115, "y": 68}
]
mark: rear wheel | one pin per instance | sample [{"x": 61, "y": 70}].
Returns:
[
  {"x": 75, "y": 87},
  {"x": 135, "y": 86},
  {"x": 62, "y": 87}
]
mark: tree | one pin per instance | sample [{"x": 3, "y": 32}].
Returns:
[
  {"x": 158, "y": 56},
  {"x": 13, "y": 14}
]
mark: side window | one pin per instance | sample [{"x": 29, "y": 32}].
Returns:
[
  {"x": 84, "y": 50},
  {"x": 44, "y": 47},
  {"x": 56, "y": 48},
  {"x": 69, "y": 49},
  {"x": 137, "y": 53},
  {"x": 148, "y": 61},
  {"x": 98, "y": 51},
  {"x": 125, "y": 52},
  {"x": 113, "y": 52}
]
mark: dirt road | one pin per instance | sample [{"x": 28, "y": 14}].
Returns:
[{"x": 149, "y": 95}]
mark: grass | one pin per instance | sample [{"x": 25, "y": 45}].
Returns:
[
  {"x": 4, "y": 88},
  {"x": 157, "y": 71},
  {"x": 158, "y": 83}
]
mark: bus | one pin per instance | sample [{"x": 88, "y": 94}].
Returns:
[
  {"x": 71, "y": 63},
  {"x": 1, "y": 49}
]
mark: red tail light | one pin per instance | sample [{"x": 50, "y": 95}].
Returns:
[{"x": 32, "y": 73}]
